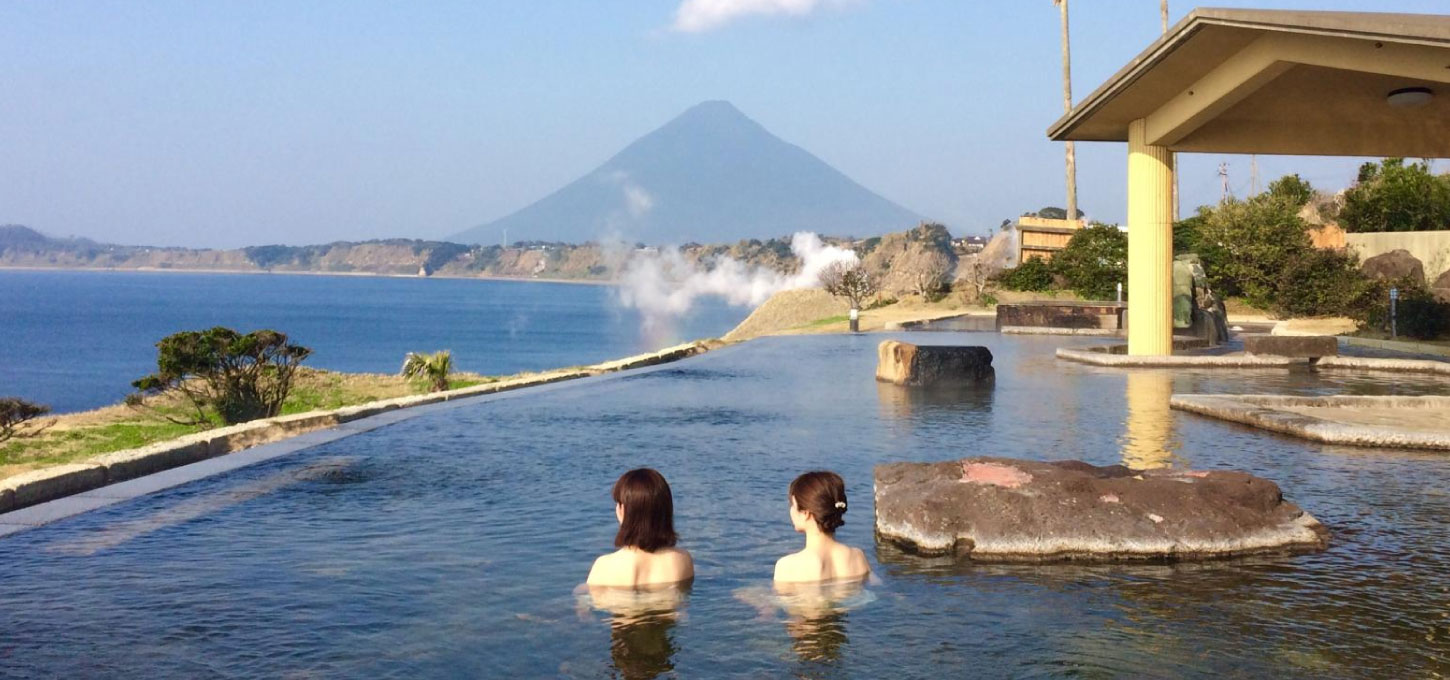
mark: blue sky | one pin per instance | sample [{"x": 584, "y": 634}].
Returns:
[{"x": 240, "y": 123}]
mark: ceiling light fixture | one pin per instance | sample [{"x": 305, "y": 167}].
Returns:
[{"x": 1410, "y": 97}]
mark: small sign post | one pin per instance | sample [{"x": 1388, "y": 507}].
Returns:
[
  {"x": 1394, "y": 321},
  {"x": 855, "y": 321}
]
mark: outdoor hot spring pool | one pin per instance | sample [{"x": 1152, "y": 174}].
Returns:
[{"x": 450, "y": 544}]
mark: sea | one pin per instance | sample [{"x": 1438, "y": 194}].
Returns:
[{"x": 74, "y": 340}]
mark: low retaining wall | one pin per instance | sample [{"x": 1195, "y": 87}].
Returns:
[
  {"x": 1048, "y": 330},
  {"x": 47, "y": 484},
  {"x": 1267, "y": 412},
  {"x": 1049, "y": 314}
]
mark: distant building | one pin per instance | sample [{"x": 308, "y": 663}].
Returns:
[
  {"x": 1043, "y": 237},
  {"x": 969, "y": 245}
]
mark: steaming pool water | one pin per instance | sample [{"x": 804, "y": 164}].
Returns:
[{"x": 451, "y": 544}]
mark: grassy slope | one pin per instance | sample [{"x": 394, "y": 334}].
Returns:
[{"x": 77, "y": 436}]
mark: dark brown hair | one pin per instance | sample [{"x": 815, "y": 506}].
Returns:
[
  {"x": 823, "y": 494},
  {"x": 649, "y": 511}
]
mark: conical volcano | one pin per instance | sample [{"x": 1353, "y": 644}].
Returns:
[{"x": 710, "y": 175}]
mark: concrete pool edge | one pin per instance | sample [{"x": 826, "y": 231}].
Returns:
[
  {"x": 1099, "y": 357},
  {"x": 121, "y": 475},
  {"x": 1270, "y": 412}
]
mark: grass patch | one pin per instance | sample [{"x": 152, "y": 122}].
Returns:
[
  {"x": 78, "y": 436},
  {"x": 839, "y": 318},
  {"x": 64, "y": 446}
]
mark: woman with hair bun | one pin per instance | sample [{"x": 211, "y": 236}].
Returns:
[
  {"x": 646, "y": 540},
  {"x": 817, "y": 503}
]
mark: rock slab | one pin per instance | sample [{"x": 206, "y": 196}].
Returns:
[
  {"x": 1302, "y": 346},
  {"x": 1007, "y": 510},
  {"x": 902, "y": 363}
]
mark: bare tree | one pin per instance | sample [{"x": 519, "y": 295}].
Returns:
[
  {"x": 931, "y": 274},
  {"x": 850, "y": 281},
  {"x": 976, "y": 275},
  {"x": 17, "y": 418},
  {"x": 1067, "y": 108}
]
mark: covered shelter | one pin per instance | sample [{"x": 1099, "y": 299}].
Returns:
[{"x": 1259, "y": 81}]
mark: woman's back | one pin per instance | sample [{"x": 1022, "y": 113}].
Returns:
[
  {"x": 824, "y": 563},
  {"x": 631, "y": 567}
]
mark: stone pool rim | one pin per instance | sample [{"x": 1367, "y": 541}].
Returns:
[
  {"x": 34, "y": 499},
  {"x": 1266, "y": 412}
]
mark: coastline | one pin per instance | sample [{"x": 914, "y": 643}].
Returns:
[{"x": 254, "y": 272}]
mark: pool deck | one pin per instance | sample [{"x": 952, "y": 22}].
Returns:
[{"x": 1372, "y": 421}]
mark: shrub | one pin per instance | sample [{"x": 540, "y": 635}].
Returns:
[
  {"x": 1319, "y": 283},
  {"x": 1421, "y": 316},
  {"x": 1247, "y": 245},
  {"x": 1094, "y": 261},
  {"x": 1033, "y": 275},
  {"x": 17, "y": 418},
  {"x": 220, "y": 371},
  {"x": 434, "y": 368},
  {"x": 1393, "y": 196},
  {"x": 1293, "y": 189},
  {"x": 1417, "y": 314}
]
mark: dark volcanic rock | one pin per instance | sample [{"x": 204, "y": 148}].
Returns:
[
  {"x": 1311, "y": 346},
  {"x": 902, "y": 363},
  {"x": 1396, "y": 264},
  {"x": 1000, "y": 509}
]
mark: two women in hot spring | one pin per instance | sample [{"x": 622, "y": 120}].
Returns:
[{"x": 647, "y": 555}]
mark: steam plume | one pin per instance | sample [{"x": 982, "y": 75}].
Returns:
[{"x": 664, "y": 286}]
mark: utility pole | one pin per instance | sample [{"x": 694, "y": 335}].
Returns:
[
  {"x": 1254, "y": 175},
  {"x": 1163, "y": 14},
  {"x": 1223, "y": 175},
  {"x": 1067, "y": 108}
]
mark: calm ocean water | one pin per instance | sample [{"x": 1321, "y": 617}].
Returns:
[{"x": 75, "y": 340}]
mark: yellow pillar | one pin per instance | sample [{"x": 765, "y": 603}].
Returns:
[{"x": 1150, "y": 244}]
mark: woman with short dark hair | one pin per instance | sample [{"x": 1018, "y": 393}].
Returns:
[
  {"x": 817, "y": 504},
  {"x": 646, "y": 539}
]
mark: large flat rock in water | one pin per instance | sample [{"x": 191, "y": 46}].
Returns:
[
  {"x": 902, "y": 363},
  {"x": 1007, "y": 510}
]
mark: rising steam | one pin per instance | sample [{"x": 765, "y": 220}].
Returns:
[{"x": 664, "y": 286}]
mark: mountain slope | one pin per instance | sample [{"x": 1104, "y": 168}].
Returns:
[{"x": 711, "y": 174}]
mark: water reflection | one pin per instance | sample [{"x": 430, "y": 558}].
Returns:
[
  {"x": 815, "y": 613},
  {"x": 641, "y": 626},
  {"x": 1149, "y": 440},
  {"x": 915, "y": 403}
]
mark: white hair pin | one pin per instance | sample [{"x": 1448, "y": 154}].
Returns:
[{"x": 841, "y": 505}]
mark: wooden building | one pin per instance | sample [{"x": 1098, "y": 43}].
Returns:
[{"x": 1043, "y": 237}]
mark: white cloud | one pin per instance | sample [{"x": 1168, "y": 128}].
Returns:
[{"x": 697, "y": 16}]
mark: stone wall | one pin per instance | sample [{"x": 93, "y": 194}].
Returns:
[
  {"x": 1104, "y": 315},
  {"x": 1431, "y": 248}
]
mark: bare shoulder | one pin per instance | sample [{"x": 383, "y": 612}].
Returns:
[
  {"x": 858, "y": 559},
  {"x": 684, "y": 563},
  {"x": 797, "y": 567},
  {"x": 604, "y": 569}
]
